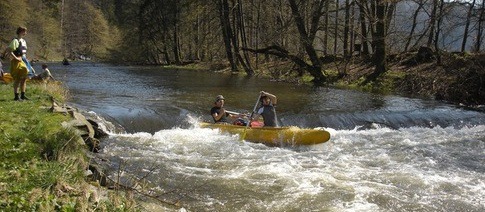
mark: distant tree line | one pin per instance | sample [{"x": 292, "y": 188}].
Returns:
[{"x": 245, "y": 33}]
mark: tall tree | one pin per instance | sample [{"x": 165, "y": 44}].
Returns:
[
  {"x": 46, "y": 28},
  {"x": 363, "y": 13},
  {"x": 242, "y": 34},
  {"x": 239, "y": 37},
  {"x": 439, "y": 21},
  {"x": 307, "y": 37},
  {"x": 175, "y": 30},
  {"x": 480, "y": 28},
  {"x": 467, "y": 25},
  {"x": 86, "y": 30},
  {"x": 414, "y": 24},
  {"x": 347, "y": 28},
  {"x": 227, "y": 34},
  {"x": 14, "y": 14},
  {"x": 383, "y": 11},
  {"x": 432, "y": 22},
  {"x": 335, "y": 34},
  {"x": 326, "y": 27},
  {"x": 232, "y": 35}
]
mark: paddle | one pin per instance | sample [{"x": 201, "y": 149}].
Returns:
[
  {"x": 232, "y": 112},
  {"x": 250, "y": 117}
]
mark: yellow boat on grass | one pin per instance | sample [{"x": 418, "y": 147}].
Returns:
[
  {"x": 6, "y": 78},
  {"x": 274, "y": 136}
]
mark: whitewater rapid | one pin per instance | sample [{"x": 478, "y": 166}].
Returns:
[{"x": 382, "y": 169}]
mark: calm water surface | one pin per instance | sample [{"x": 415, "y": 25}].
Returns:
[{"x": 387, "y": 153}]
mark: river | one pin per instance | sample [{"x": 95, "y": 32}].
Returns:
[{"x": 386, "y": 152}]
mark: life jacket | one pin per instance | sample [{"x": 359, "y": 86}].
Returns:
[
  {"x": 269, "y": 115},
  {"x": 21, "y": 49}
]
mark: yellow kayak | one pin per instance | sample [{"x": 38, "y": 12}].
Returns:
[
  {"x": 274, "y": 136},
  {"x": 7, "y": 78}
]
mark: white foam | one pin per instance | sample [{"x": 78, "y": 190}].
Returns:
[{"x": 365, "y": 164}]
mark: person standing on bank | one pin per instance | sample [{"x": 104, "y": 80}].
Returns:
[
  {"x": 218, "y": 112},
  {"x": 19, "y": 65},
  {"x": 267, "y": 110}
]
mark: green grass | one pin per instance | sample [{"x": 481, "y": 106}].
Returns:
[{"x": 42, "y": 163}]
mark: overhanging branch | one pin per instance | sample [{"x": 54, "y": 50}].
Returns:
[{"x": 281, "y": 53}]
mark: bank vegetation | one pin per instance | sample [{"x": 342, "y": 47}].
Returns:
[{"x": 359, "y": 40}]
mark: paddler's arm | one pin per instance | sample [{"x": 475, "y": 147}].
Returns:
[
  {"x": 271, "y": 96},
  {"x": 218, "y": 116}
]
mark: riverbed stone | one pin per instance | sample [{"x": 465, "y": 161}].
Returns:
[
  {"x": 82, "y": 123},
  {"x": 98, "y": 132}
]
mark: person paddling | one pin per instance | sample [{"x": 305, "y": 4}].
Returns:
[
  {"x": 267, "y": 110},
  {"x": 219, "y": 114}
]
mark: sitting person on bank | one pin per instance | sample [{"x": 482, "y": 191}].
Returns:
[
  {"x": 219, "y": 114},
  {"x": 45, "y": 75},
  {"x": 267, "y": 110}
]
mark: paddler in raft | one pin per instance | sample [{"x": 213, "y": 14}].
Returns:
[
  {"x": 219, "y": 114},
  {"x": 267, "y": 110}
]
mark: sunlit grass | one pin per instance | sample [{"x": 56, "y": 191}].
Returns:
[{"x": 42, "y": 166}]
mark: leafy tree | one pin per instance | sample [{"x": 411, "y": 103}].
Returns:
[
  {"x": 14, "y": 14},
  {"x": 46, "y": 29},
  {"x": 86, "y": 32}
]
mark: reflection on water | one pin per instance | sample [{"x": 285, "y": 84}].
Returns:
[{"x": 150, "y": 98}]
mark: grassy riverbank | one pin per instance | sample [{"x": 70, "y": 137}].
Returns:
[{"x": 43, "y": 164}]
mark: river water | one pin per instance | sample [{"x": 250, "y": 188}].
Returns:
[{"x": 386, "y": 153}]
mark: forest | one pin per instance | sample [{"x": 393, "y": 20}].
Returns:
[{"x": 308, "y": 36}]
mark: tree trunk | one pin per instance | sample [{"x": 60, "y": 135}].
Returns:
[
  {"x": 175, "y": 45},
  {"x": 256, "y": 36},
  {"x": 223, "y": 6},
  {"x": 306, "y": 39},
  {"x": 467, "y": 26},
  {"x": 346, "y": 28},
  {"x": 372, "y": 23},
  {"x": 363, "y": 28},
  {"x": 432, "y": 23},
  {"x": 481, "y": 19},
  {"x": 242, "y": 32},
  {"x": 438, "y": 31},
  {"x": 413, "y": 27},
  {"x": 379, "y": 40},
  {"x": 198, "y": 44},
  {"x": 326, "y": 27},
  {"x": 352, "y": 28},
  {"x": 335, "y": 41}
]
